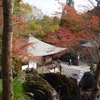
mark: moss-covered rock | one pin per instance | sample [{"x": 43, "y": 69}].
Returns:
[
  {"x": 66, "y": 87},
  {"x": 41, "y": 89},
  {"x": 43, "y": 86}
]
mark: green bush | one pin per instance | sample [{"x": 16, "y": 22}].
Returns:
[{"x": 19, "y": 93}]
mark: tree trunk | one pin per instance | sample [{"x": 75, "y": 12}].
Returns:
[
  {"x": 96, "y": 78},
  {"x": 7, "y": 77}
]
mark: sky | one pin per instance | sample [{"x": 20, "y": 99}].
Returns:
[{"x": 48, "y": 7}]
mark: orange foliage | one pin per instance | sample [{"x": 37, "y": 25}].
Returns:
[
  {"x": 77, "y": 28},
  {"x": 19, "y": 47},
  {"x": 62, "y": 37},
  {"x": 70, "y": 10},
  {"x": 20, "y": 43},
  {"x": 84, "y": 21}
]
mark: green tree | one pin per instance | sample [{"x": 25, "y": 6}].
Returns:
[
  {"x": 33, "y": 26},
  {"x": 48, "y": 25},
  {"x": 70, "y": 2},
  {"x": 27, "y": 11}
]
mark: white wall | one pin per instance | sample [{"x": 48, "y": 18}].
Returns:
[{"x": 31, "y": 65}]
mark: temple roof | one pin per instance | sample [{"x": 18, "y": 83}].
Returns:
[{"x": 40, "y": 48}]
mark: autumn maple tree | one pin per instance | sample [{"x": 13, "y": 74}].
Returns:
[{"x": 77, "y": 29}]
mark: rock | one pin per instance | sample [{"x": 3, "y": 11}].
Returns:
[
  {"x": 41, "y": 89},
  {"x": 32, "y": 71},
  {"x": 30, "y": 94},
  {"x": 86, "y": 81},
  {"x": 67, "y": 88}
]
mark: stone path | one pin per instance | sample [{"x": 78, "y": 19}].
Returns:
[{"x": 74, "y": 71}]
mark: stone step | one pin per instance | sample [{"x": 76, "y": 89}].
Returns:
[
  {"x": 80, "y": 76},
  {"x": 82, "y": 71}
]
